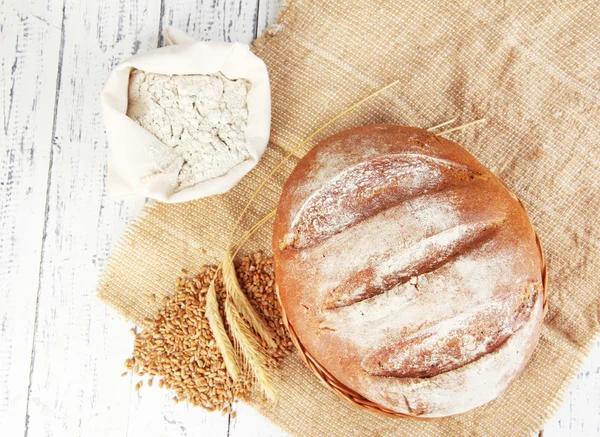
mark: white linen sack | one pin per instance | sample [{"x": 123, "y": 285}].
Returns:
[{"x": 133, "y": 169}]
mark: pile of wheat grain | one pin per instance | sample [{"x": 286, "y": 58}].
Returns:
[{"x": 179, "y": 349}]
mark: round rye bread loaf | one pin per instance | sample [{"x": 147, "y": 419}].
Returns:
[{"x": 408, "y": 270}]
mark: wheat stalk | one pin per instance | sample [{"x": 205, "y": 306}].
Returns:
[
  {"x": 246, "y": 235},
  {"x": 462, "y": 126},
  {"x": 242, "y": 303},
  {"x": 437, "y": 126},
  {"x": 218, "y": 329},
  {"x": 249, "y": 347}
]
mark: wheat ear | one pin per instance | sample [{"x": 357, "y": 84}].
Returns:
[
  {"x": 242, "y": 303},
  {"x": 218, "y": 329},
  {"x": 250, "y": 349}
]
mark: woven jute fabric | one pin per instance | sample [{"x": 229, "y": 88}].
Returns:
[{"x": 531, "y": 68}]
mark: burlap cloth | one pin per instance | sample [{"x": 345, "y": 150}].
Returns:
[{"x": 532, "y": 68}]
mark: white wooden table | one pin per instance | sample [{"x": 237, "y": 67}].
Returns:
[{"x": 61, "y": 349}]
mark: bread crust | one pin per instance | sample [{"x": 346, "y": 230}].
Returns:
[{"x": 408, "y": 270}]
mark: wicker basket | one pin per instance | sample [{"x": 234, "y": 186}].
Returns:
[{"x": 350, "y": 395}]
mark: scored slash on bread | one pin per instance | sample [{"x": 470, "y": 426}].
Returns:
[
  {"x": 423, "y": 257},
  {"x": 368, "y": 188},
  {"x": 457, "y": 341}
]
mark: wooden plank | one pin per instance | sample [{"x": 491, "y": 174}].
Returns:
[
  {"x": 30, "y": 42},
  {"x": 268, "y": 12},
  {"x": 580, "y": 413},
  {"x": 80, "y": 344},
  {"x": 153, "y": 413},
  {"x": 213, "y": 20},
  {"x": 249, "y": 423}
]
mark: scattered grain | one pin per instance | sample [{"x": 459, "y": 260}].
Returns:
[{"x": 179, "y": 347}]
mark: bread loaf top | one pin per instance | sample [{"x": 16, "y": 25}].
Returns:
[{"x": 408, "y": 270}]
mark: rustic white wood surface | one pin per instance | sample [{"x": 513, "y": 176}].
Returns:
[{"x": 61, "y": 350}]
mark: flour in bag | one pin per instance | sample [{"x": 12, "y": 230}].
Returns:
[{"x": 202, "y": 118}]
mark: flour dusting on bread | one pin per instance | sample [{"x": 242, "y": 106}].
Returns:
[{"x": 368, "y": 188}]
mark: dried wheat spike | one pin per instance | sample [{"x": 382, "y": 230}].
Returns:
[
  {"x": 250, "y": 349},
  {"x": 218, "y": 330},
  {"x": 242, "y": 303}
]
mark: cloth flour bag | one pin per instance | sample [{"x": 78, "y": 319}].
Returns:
[{"x": 139, "y": 163}]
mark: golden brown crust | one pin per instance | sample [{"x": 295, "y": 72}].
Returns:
[{"x": 407, "y": 268}]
